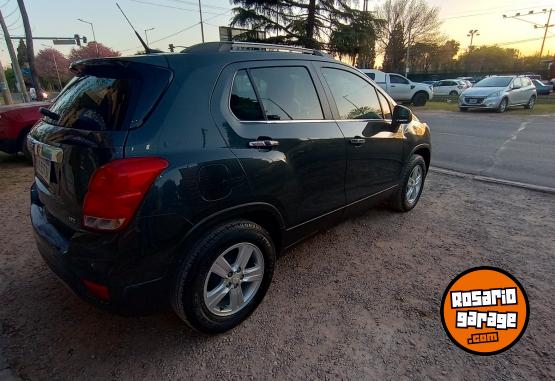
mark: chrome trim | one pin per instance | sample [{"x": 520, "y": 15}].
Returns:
[
  {"x": 46, "y": 151},
  {"x": 263, "y": 143}
]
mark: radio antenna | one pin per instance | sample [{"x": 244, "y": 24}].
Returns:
[{"x": 143, "y": 43}]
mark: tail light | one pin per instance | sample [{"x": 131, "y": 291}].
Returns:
[{"x": 117, "y": 189}]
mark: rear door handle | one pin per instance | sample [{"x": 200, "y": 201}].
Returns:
[
  {"x": 263, "y": 144},
  {"x": 358, "y": 141}
]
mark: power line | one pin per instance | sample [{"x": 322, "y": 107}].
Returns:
[
  {"x": 193, "y": 3},
  {"x": 169, "y": 6},
  {"x": 482, "y": 13}
]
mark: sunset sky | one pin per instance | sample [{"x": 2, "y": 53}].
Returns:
[{"x": 175, "y": 21}]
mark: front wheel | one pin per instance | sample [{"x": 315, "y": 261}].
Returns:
[
  {"x": 224, "y": 276},
  {"x": 503, "y": 105},
  {"x": 531, "y": 103},
  {"x": 412, "y": 182},
  {"x": 453, "y": 93}
]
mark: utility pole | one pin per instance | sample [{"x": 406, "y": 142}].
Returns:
[
  {"x": 30, "y": 49},
  {"x": 546, "y": 26},
  {"x": 55, "y": 65},
  {"x": 94, "y": 36},
  {"x": 146, "y": 34},
  {"x": 15, "y": 63},
  {"x": 6, "y": 94},
  {"x": 365, "y": 6},
  {"x": 201, "y": 22},
  {"x": 408, "y": 57},
  {"x": 471, "y": 34}
]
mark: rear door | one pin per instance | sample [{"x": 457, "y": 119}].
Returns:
[
  {"x": 86, "y": 127},
  {"x": 374, "y": 146},
  {"x": 399, "y": 87},
  {"x": 280, "y": 127}
]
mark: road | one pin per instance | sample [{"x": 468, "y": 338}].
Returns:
[
  {"x": 359, "y": 301},
  {"x": 508, "y": 146}
]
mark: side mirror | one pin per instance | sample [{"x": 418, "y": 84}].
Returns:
[
  {"x": 515, "y": 87},
  {"x": 401, "y": 115}
]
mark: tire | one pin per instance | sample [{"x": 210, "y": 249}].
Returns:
[
  {"x": 420, "y": 99},
  {"x": 196, "y": 276},
  {"x": 24, "y": 149},
  {"x": 531, "y": 103},
  {"x": 502, "y": 105},
  {"x": 463, "y": 109},
  {"x": 454, "y": 93},
  {"x": 400, "y": 200}
]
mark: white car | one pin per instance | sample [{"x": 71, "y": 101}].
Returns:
[
  {"x": 400, "y": 88},
  {"x": 453, "y": 87}
]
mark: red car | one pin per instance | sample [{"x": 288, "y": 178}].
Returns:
[{"x": 15, "y": 122}]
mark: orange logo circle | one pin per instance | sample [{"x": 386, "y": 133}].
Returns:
[{"x": 485, "y": 310}]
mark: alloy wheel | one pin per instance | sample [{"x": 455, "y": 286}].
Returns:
[
  {"x": 414, "y": 184},
  {"x": 234, "y": 279}
]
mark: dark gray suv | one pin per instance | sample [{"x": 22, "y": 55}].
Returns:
[{"x": 178, "y": 178}]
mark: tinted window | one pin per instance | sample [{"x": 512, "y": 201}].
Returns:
[
  {"x": 93, "y": 103},
  {"x": 243, "y": 102},
  {"x": 386, "y": 107},
  {"x": 397, "y": 79},
  {"x": 371, "y": 75},
  {"x": 354, "y": 97},
  {"x": 287, "y": 93}
]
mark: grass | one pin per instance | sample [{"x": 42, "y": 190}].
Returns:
[{"x": 539, "y": 109}]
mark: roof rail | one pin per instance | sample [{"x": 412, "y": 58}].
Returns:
[{"x": 249, "y": 46}]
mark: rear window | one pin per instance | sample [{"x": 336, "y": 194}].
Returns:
[{"x": 111, "y": 97}]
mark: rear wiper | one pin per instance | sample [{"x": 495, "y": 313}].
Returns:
[{"x": 50, "y": 114}]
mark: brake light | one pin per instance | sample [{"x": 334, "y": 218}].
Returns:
[{"x": 117, "y": 189}]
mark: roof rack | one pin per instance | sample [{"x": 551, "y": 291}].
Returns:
[{"x": 236, "y": 46}]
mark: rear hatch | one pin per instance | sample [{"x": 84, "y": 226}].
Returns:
[{"x": 87, "y": 126}]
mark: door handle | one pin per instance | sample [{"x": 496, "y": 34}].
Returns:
[
  {"x": 358, "y": 141},
  {"x": 263, "y": 144}
]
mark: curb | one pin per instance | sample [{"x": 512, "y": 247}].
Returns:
[{"x": 486, "y": 179}]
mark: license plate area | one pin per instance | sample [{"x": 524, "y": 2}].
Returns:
[
  {"x": 473, "y": 101},
  {"x": 43, "y": 167}
]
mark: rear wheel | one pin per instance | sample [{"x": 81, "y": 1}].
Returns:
[
  {"x": 420, "y": 99},
  {"x": 453, "y": 93},
  {"x": 503, "y": 105},
  {"x": 224, "y": 277},
  {"x": 412, "y": 182},
  {"x": 531, "y": 103}
]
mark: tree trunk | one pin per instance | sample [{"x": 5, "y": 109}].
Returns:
[
  {"x": 30, "y": 50},
  {"x": 311, "y": 25}
]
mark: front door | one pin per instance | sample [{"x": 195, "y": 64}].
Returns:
[
  {"x": 399, "y": 87},
  {"x": 278, "y": 123},
  {"x": 374, "y": 146}
]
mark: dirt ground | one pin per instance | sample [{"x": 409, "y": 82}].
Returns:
[{"x": 360, "y": 301}]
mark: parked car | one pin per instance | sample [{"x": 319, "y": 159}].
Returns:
[
  {"x": 499, "y": 93},
  {"x": 429, "y": 83},
  {"x": 453, "y": 87},
  {"x": 542, "y": 88},
  {"x": 400, "y": 88},
  {"x": 179, "y": 177},
  {"x": 16, "y": 121}
]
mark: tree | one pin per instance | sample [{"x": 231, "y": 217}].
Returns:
[
  {"x": 356, "y": 40},
  {"x": 299, "y": 22},
  {"x": 394, "y": 56},
  {"x": 22, "y": 53},
  {"x": 10, "y": 78},
  {"x": 51, "y": 62},
  {"x": 89, "y": 51},
  {"x": 406, "y": 22},
  {"x": 431, "y": 57},
  {"x": 491, "y": 59},
  {"x": 30, "y": 49}
]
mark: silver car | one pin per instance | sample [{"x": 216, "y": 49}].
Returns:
[{"x": 499, "y": 93}]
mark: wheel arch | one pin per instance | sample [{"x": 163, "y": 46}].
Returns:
[{"x": 424, "y": 151}]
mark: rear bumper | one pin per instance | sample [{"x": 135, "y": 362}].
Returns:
[
  {"x": 9, "y": 146},
  {"x": 74, "y": 268}
]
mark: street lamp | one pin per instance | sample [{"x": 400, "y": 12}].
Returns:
[
  {"x": 94, "y": 36},
  {"x": 55, "y": 65},
  {"x": 471, "y": 34},
  {"x": 146, "y": 34}
]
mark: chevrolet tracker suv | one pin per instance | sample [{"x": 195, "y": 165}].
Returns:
[{"x": 177, "y": 178}]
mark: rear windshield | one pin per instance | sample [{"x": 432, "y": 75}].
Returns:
[
  {"x": 494, "y": 82},
  {"x": 93, "y": 103},
  {"x": 107, "y": 98}
]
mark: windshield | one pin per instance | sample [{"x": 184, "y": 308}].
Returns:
[{"x": 494, "y": 82}]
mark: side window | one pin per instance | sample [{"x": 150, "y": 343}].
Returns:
[
  {"x": 243, "y": 101},
  {"x": 397, "y": 79},
  {"x": 517, "y": 82},
  {"x": 526, "y": 81},
  {"x": 371, "y": 75},
  {"x": 386, "y": 107},
  {"x": 354, "y": 97},
  {"x": 287, "y": 93}
]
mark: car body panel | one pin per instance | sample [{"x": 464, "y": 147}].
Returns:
[
  {"x": 15, "y": 121},
  {"x": 491, "y": 97}
]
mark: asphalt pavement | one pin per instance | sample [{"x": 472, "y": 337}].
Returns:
[{"x": 509, "y": 146}]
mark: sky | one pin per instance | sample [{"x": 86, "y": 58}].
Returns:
[{"x": 177, "y": 22}]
